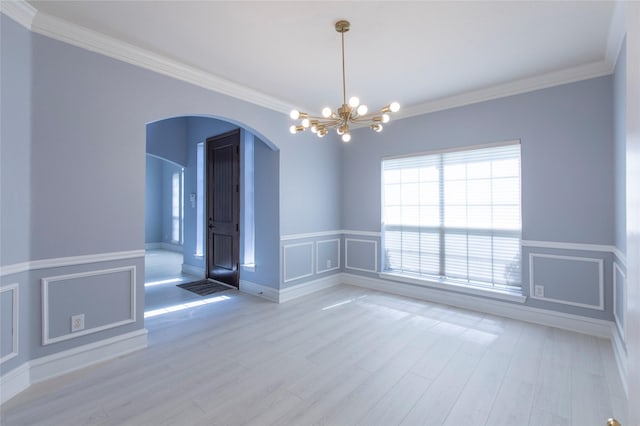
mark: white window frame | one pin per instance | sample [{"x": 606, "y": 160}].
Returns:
[{"x": 438, "y": 273}]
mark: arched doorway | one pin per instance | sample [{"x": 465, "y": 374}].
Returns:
[{"x": 175, "y": 234}]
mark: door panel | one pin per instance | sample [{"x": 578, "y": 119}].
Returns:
[{"x": 223, "y": 208}]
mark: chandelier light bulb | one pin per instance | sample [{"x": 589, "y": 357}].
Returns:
[
  {"x": 362, "y": 109},
  {"x": 394, "y": 107},
  {"x": 295, "y": 114},
  {"x": 340, "y": 130},
  {"x": 293, "y": 129},
  {"x": 354, "y": 102},
  {"x": 377, "y": 127},
  {"x": 385, "y": 118},
  {"x": 346, "y": 137},
  {"x": 314, "y": 129},
  {"x": 326, "y": 112},
  {"x": 305, "y": 123}
]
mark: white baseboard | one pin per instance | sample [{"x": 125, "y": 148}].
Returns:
[
  {"x": 580, "y": 324},
  {"x": 304, "y": 289},
  {"x": 290, "y": 293},
  {"x": 14, "y": 382},
  {"x": 620, "y": 353},
  {"x": 193, "y": 270},
  {"x": 54, "y": 365},
  {"x": 259, "y": 290}
]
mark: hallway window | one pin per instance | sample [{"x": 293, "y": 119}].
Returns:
[
  {"x": 177, "y": 203},
  {"x": 454, "y": 216},
  {"x": 200, "y": 200}
]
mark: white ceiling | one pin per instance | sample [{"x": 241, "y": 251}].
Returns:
[{"x": 411, "y": 52}]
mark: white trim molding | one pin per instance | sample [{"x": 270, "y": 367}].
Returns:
[
  {"x": 346, "y": 254},
  {"x": 337, "y": 266},
  {"x": 47, "y": 281},
  {"x": 452, "y": 286},
  {"x": 580, "y": 324},
  {"x": 13, "y": 288},
  {"x": 543, "y": 81},
  {"x": 69, "y": 261},
  {"x": 48, "y": 367},
  {"x": 79, "y": 357},
  {"x": 93, "y": 41},
  {"x": 259, "y": 290},
  {"x": 361, "y": 233},
  {"x": 623, "y": 287},
  {"x": 310, "y": 287},
  {"x": 290, "y": 237},
  {"x": 20, "y": 11},
  {"x": 85, "y": 38},
  {"x": 14, "y": 382},
  {"x": 568, "y": 246},
  {"x": 599, "y": 262},
  {"x": 284, "y": 262}
]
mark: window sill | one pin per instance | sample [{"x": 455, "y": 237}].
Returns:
[
  {"x": 251, "y": 267},
  {"x": 453, "y": 286}
]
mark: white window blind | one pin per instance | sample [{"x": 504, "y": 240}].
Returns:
[{"x": 454, "y": 215}]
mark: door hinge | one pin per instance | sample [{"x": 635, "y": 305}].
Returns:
[
  {"x": 237, "y": 227},
  {"x": 237, "y": 188}
]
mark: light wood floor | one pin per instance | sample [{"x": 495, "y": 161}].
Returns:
[{"x": 343, "y": 356}]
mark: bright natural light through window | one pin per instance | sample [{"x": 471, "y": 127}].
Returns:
[
  {"x": 200, "y": 200},
  {"x": 454, "y": 216},
  {"x": 175, "y": 207}
]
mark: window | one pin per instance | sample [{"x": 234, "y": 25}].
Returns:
[
  {"x": 248, "y": 231},
  {"x": 454, "y": 216},
  {"x": 200, "y": 200},
  {"x": 177, "y": 206}
]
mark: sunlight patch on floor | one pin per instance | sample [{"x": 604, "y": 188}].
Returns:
[{"x": 183, "y": 306}]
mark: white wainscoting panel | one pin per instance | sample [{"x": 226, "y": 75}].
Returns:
[
  {"x": 49, "y": 281},
  {"x": 355, "y": 267},
  {"x": 622, "y": 286},
  {"x": 289, "y": 247},
  {"x": 335, "y": 241},
  {"x": 600, "y": 278},
  {"x": 13, "y": 288}
]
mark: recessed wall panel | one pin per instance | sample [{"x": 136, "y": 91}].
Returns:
[
  {"x": 571, "y": 280},
  {"x": 106, "y": 298},
  {"x": 297, "y": 261},
  {"x": 327, "y": 255},
  {"x": 361, "y": 255}
]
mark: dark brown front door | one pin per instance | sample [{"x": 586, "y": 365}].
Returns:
[{"x": 223, "y": 208}]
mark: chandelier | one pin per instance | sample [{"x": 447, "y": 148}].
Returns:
[{"x": 349, "y": 115}]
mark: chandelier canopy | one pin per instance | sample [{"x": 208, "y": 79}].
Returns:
[{"x": 349, "y": 115}]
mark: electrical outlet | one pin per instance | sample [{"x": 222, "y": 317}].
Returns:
[
  {"x": 328, "y": 263},
  {"x": 538, "y": 291},
  {"x": 77, "y": 323}
]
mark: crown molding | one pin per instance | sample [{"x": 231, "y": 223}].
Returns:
[
  {"x": 79, "y": 36},
  {"x": 543, "y": 81},
  {"x": 85, "y": 38},
  {"x": 616, "y": 33},
  {"x": 20, "y": 11}
]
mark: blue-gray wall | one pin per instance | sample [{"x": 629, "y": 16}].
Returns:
[
  {"x": 15, "y": 184},
  {"x": 74, "y": 153},
  {"x": 568, "y": 182},
  {"x": 15, "y": 143},
  {"x": 168, "y": 139},
  {"x": 153, "y": 200}
]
